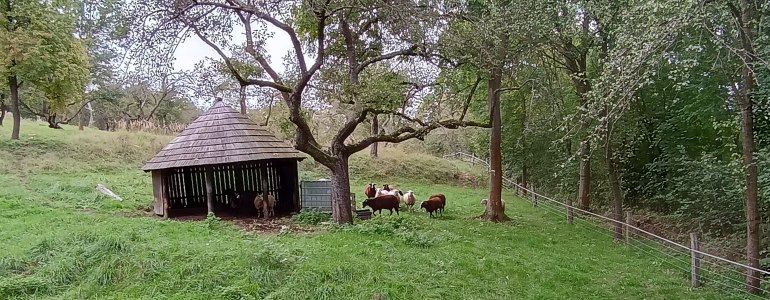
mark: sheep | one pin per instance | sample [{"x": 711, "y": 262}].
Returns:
[
  {"x": 371, "y": 190},
  {"x": 485, "y": 201},
  {"x": 431, "y": 205},
  {"x": 388, "y": 202},
  {"x": 268, "y": 204},
  {"x": 379, "y": 192},
  {"x": 386, "y": 187},
  {"x": 237, "y": 199},
  {"x": 395, "y": 192},
  {"x": 443, "y": 201},
  {"x": 409, "y": 199}
]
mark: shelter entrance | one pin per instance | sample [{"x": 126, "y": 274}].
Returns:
[{"x": 186, "y": 187}]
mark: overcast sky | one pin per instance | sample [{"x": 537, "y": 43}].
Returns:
[{"x": 194, "y": 50}]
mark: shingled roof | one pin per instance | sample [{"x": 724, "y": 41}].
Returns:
[{"x": 221, "y": 135}]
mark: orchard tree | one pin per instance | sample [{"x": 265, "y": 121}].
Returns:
[
  {"x": 40, "y": 51},
  {"x": 326, "y": 31}
]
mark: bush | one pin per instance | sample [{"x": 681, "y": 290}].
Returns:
[{"x": 311, "y": 217}]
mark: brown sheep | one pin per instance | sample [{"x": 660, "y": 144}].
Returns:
[
  {"x": 443, "y": 201},
  {"x": 238, "y": 200},
  {"x": 386, "y": 187},
  {"x": 388, "y": 202},
  {"x": 431, "y": 205},
  {"x": 268, "y": 204},
  {"x": 370, "y": 190}
]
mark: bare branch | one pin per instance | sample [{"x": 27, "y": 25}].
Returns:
[
  {"x": 470, "y": 97},
  {"x": 411, "y": 51}
]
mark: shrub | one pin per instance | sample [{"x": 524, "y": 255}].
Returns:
[{"x": 311, "y": 217}]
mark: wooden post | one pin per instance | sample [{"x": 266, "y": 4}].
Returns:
[
  {"x": 209, "y": 189},
  {"x": 695, "y": 259},
  {"x": 353, "y": 201},
  {"x": 628, "y": 230},
  {"x": 534, "y": 197},
  {"x": 570, "y": 216}
]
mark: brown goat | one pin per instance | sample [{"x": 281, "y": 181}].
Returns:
[
  {"x": 388, "y": 202},
  {"x": 431, "y": 205},
  {"x": 370, "y": 190}
]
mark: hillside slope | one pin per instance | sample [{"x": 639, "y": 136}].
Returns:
[{"x": 62, "y": 240}]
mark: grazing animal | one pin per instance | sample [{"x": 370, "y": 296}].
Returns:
[
  {"x": 431, "y": 205},
  {"x": 484, "y": 202},
  {"x": 388, "y": 202},
  {"x": 409, "y": 199},
  {"x": 395, "y": 192},
  {"x": 379, "y": 192},
  {"x": 238, "y": 200},
  {"x": 371, "y": 190},
  {"x": 268, "y": 204},
  {"x": 443, "y": 201},
  {"x": 386, "y": 187}
]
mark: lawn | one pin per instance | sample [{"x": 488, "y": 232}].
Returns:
[{"x": 62, "y": 240}]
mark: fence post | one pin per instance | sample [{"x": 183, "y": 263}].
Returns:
[
  {"x": 628, "y": 230},
  {"x": 534, "y": 197},
  {"x": 570, "y": 216},
  {"x": 353, "y": 201},
  {"x": 695, "y": 259}
]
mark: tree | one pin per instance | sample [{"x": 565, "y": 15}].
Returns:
[
  {"x": 40, "y": 51},
  {"x": 318, "y": 24}
]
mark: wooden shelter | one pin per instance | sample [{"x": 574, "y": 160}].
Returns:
[{"x": 223, "y": 149}]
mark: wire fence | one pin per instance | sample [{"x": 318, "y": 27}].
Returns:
[{"x": 703, "y": 268}]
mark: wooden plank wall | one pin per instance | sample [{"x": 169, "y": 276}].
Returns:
[{"x": 186, "y": 187}]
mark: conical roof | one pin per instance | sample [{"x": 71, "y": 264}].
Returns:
[{"x": 221, "y": 135}]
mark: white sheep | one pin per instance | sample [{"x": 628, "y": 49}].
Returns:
[{"x": 409, "y": 199}]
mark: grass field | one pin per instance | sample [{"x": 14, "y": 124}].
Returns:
[{"x": 60, "y": 239}]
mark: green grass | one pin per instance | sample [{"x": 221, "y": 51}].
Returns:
[{"x": 62, "y": 240}]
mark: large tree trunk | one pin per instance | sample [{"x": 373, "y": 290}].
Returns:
[
  {"x": 748, "y": 20},
  {"x": 612, "y": 176},
  {"x": 494, "y": 211},
  {"x": 341, "y": 209},
  {"x": 2, "y": 109},
  {"x": 375, "y": 132},
  {"x": 13, "y": 85}
]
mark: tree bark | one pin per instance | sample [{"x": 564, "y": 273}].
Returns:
[
  {"x": 575, "y": 60},
  {"x": 612, "y": 176},
  {"x": 494, "y": 211},
  {"x": 341, "y": 191},
  {"x": 375, "y": 132},
  {"x": 13, "y": 85},
  {"x": 243, "y": 99},
  {"x": 2, "y": 109},
  {"x": 748, "y": 21},
  {"x": 524, "y": 169}
]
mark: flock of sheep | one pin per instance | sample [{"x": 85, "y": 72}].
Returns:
[
  {"x": 376, "y": 198},
  {"x": 391, "y": 199}
]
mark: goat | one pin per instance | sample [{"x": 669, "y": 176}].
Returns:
[
  {"x": 443, "y": 201},
  {"x": 409, "y": 199},
  {"x": 268, "y": 204},
  {"x": 431, "y": 205},
  {"x": 485, "y": 202},
  {"x": 388, "y": 202},
  {"x": 371, "y": 190}
]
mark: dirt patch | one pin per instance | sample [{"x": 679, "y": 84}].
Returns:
[{"x": 275, "y": 225}]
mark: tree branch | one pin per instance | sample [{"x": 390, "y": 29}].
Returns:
[
  {"x": 228, "y": 62},
  {"x": 406, "y": 133},
  {"x": 470, "y": 97},
  {"x": 411, "y": 51}
]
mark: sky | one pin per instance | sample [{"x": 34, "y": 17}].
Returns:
[{"x": 194, "y": 50}]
